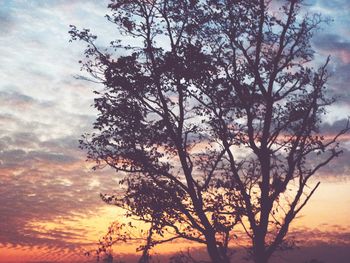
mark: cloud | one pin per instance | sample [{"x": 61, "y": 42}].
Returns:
[
  {"x": 335, "y": 45},
  {"x": 334, "y": 39},
  {"x": 48, "y": 181},
  {"x": 15, "y": 99},
  {"x": 12, "y": 158},
  {"x": 325, "y": 234},
  {"x": 335, "y": 5},
  {"x": 338, "y": 167},
  {"x": 7, "y": 20},
  {"x": 339, "y": 48},
  {"x": 43, "y": 111},
  {"x": 339, "y": 83},
  {"x": 333, "y": 128}
]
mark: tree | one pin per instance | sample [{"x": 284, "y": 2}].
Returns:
[{"x": 210, "y": 114}]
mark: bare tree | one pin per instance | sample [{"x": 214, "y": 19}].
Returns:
[{"x": 210, "y": 115}]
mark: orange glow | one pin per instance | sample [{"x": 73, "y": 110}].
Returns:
[
  {"x": 28, "y": 253},
  {"x": 326, "y": 212},
  {"x": 328, "y": 207}
]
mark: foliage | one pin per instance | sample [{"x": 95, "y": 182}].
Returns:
[{"x": 211, "y": 115}]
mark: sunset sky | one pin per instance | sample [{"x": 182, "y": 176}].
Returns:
[{"x": 50, "y": 208}]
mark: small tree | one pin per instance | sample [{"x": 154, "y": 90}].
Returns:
[{"x": 210, "y": 115}]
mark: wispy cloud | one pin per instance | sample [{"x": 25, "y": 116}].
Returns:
[{"x": 43, "y": 111}]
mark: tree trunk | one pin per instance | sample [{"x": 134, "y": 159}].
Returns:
[
  {"x": 261, "y": 260},
  {"x": 213, "y": 250},
  {"x": 260, "y": 255}
]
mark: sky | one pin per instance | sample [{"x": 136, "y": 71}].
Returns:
[{"x": 50, "y": 208}]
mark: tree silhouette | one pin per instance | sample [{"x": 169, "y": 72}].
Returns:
[{"x": 211, "y": 115}]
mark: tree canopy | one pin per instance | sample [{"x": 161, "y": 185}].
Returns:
[{"x": 210, "y": 112}]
